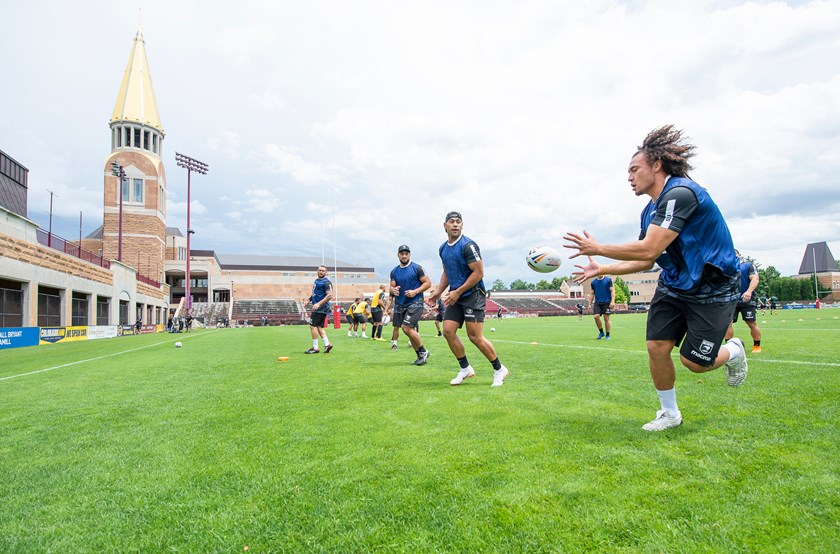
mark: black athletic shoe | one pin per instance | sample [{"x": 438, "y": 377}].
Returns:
[
  {"x": 421, "y": 358},
  {"x": 327, "y": 348},
  {"x": 312, "y": 351}
]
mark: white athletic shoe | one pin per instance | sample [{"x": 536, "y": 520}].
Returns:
[
  {"x": 465, "y": 373},
  {"x": 349, "y": 333},
  {"x": 736, "y": 370},
  {"x": 364, "y": 336},
  {"x": 664, "y": 420},
  {"x": 499, "y": 376}
]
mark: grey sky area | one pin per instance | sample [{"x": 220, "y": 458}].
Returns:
[{"x": 353, "y": 127}]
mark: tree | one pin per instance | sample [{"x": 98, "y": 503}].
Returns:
[
  {"x": 519, "y": 284},
  {"x": 498, "y": 284},
  {"x": 622, "y": 291},
  {"x": 543, "y": 285},
  {"x": 557, "y": 282}
]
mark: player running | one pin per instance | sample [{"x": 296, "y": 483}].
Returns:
[
  {"x": 463, "y": 273},
  {"x": 684, "y": 232}
]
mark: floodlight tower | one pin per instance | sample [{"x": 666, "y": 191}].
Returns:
[
  {"x": 191, "y": 164},
  {"x": 118, "y": 171}
]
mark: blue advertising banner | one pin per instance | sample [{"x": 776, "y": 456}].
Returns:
[{"x": 15, "y": 337}]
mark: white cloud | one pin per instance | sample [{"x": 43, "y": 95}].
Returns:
[{"x": 522, "y": 115}]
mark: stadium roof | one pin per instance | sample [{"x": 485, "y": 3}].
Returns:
[
  {"x": 817, "y": 259},
  {"x": 255, "y": 261}
]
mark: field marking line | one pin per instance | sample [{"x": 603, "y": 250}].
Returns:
[
  {"x": 751, "y": 359},
  {"x": 90, "y": 359}
]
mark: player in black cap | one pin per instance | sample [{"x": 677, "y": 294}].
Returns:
[{"x": 408, "y": 281}]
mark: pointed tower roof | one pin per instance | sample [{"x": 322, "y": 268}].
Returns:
[
  {"x": 136, "y": 100},
  {"x": 817, "y": 259}
]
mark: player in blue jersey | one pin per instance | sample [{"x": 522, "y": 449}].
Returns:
[
  {"x": 602, "y": 301},
  {"x": 683, "y": 231},
  {"x": 463, "y": 273},
  {"x": 408, "y": 281},
  {"x": 747, "y": 306},
  {"x": 320, "y": 300}
]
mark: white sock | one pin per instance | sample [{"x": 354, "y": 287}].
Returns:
[
  {"x": 668, "y": 401},
  {"x": 315, "y": 344},
  {"x": 394, "y": 342},
  {"x": 734, "y": 351},
  {"x": 326, "y": 340}
]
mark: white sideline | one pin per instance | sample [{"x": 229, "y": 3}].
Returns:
[
  {"x": 90, "y": 359},
  {"x": 752, "y": 358}
]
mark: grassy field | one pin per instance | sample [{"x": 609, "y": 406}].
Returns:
[{"x": 131, "y": 445}]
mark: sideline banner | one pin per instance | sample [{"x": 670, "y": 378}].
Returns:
[
  {"x": 102, "y": 332},
  {"x": 15, "y": 337},
  {"x": 51, "y": 335}
]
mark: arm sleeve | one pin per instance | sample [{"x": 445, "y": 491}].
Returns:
[
  {"x": 471, "y": 252},
  {"x": 674, "y": 208}
]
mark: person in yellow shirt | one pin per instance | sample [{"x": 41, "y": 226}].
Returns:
[
  {"x": 360, "y": 314},
  {"x": 376, "y": 312},
  {"x": 351, "y": 320}
]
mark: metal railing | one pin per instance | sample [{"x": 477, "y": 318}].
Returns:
[
  {"x": 51, "y": 240},
  {"x": 55, "y": 242}
]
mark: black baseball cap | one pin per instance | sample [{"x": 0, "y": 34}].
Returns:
[
  {"x": 403, "y": 248},
  {"x": 450, "y": 215}
]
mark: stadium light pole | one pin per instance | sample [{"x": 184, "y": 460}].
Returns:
[
  {"x": 49, "y": 235},
  {"x": 118, "y": 172},
  {"x": 191, "y": 164}
]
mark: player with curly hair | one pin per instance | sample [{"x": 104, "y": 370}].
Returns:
[{"x": 683, "y": 231}]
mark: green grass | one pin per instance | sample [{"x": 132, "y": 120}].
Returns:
[{"x": 217, "y": 445}]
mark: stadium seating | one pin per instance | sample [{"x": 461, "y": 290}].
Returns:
[{"x": 281, "y": 310}]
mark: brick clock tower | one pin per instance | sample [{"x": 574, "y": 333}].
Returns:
[{"x": 137, "y": 146}]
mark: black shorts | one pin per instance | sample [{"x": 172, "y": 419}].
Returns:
[
  {"x": 376, "y": 315},
  {"x": 747, "y": 311},
  {"x": 359, "y": 318},
  {"x": 601, "y": 308},
  {"x": 350, "y": 319},
  {"x": 408, "y": 315},
  {"x": 703, "y": 326},
  {"x": 439, "y": 316},
  {"x": 318, "y": 319},
  {"x": 469, "y": 309}
]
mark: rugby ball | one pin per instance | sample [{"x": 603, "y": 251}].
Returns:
[
  {"x": 178, "y": 345},
  {"x": 543, "y": 259}
]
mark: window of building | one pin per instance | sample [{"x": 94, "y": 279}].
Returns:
[
  {"x": 137, "y": 197},
  {"x": 49, "y": 307},
  {"x": 79, "y": 314},
  {"x": 124, "y": 313},
  {"x": 103, "y": 310},
  {"x": 11, "y": 304}
]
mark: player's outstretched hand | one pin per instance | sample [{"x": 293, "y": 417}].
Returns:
[
  {"x": 586, "y": 271},
  {"x": 584, "y": 244}
]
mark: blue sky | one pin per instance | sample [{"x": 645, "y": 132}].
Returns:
[{"x": 379, "y": 117}]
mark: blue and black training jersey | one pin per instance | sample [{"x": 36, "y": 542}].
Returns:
[
  {"x": 408, "y": 278},
  {"x": 320, "y": 289},
  {"x": 700, "y": 265},
  {"x": 456, "y": 259},
  {"x": 601, "y": 287}
]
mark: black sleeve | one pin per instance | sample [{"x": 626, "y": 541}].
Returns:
[
  {"x": 674, "y": 208},
  {"x": 471, "y": 252}
]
